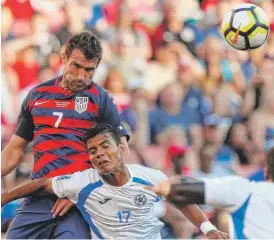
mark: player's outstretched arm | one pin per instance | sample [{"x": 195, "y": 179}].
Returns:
[
  {"x": 188, "y": 193},
  {"x": 219, "y": 192},
  {"x": 12, "y": 154},
  {"x": 181, "y": 191},
  {"x": 196, "y": 216},
  {"x": 26, "y": 189}
]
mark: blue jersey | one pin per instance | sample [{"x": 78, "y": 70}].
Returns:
[{"x": 56, "y": 119}]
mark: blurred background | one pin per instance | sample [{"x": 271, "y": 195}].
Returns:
[{"x": 192, "y": 104}]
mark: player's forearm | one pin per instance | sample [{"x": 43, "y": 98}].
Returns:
[
  {"x": 194, "y": 214},
  {"x": 187, "y": 193},
  {"x": 12, "y": 154},
  {"x": 9, "y": 160},
  {"x": 23, "y": 190}
]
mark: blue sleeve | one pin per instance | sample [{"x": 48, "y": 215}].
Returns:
[{"x": 108, "y": 113}]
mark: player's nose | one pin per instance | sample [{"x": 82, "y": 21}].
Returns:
[
  {"x": 100, "y": 155},
  {"x": 81, "y": 74}
]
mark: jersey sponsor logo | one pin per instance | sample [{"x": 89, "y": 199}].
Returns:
[
  {"x": 104, "y": 200},
  {"x": 140, "y": 200},
  {"x": 64, "y": 177},
  {"x": 39, "y": 103},
  {"x": 81, "y": 104}
]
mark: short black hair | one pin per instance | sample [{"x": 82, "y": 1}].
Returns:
[
  {"x": 100, "y": 129},
  {"x": 270, "y": 162},
  {"x": 88, "y": 43}
]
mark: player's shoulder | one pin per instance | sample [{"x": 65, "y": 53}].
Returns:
[
  {"x": 48, "y": 83},
  {"x": 264, "y": 189},
  {"x": 147, "y": 174},
  {"x": 89, "y": 175},
  {"x": 231, "y": 180},
  {"x": 96, "y": 89},
  {"x": 34, "y": 92},
  {"x": 139, "y": 169}
]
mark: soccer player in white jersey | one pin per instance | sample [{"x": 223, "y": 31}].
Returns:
[
  {"x": 251, "y": 204},
  {"x": 112, "y": 197}
]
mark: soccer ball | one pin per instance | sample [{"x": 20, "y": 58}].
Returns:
[{"x": 245, "y": 27}]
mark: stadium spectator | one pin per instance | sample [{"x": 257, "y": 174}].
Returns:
[
  {"x": 173, "y": 110},
  {"x": 164, "y": 67},
  {"x": 115, "y": 84}
]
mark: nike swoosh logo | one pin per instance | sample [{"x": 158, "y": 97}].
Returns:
[
  {"x": 38, "y": 103},
  {"x": 234, "y": 40},
  {"x": 105, "y": 200}
]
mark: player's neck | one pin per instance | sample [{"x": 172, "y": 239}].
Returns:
[{"x": 118, "y": 178}]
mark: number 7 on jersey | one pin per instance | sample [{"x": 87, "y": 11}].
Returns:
[{"x": 59, "y": 119}]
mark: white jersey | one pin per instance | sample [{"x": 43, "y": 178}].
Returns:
[
  {"x": 125, "y": 212},
  {"x": 251, "y": 205}
]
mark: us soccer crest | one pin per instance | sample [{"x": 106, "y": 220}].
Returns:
[
  {"x": 140, "y": 200},
  {"x": 81, "y": 104}
]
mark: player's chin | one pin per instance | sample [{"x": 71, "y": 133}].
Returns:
[
  {"x": 105, "y": 169},
  {"x": 77, "y": 88}
]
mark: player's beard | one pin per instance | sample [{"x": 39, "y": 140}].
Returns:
[{"x": 72, "y": 84}]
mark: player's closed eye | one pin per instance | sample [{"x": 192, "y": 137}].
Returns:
[
  {"x": 92, "y": 152},
  {"x": 106, "y": 145}
]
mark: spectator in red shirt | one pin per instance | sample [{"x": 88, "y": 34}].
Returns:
[{"x": 26, "y": 66}]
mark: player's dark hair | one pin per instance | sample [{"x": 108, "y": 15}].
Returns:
[
  {"x": 88, "y": 43},
  {"x": 100, "y": 129},
  {"x": 270, "y": 162}
]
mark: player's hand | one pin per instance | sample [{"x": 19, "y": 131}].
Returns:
[
  {"x": 216, "y": 234},
  {"x": 164, "y": 187},
  {"x": 61, "y": 207}
]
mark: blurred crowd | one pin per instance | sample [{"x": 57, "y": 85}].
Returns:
[{"x": 192, "y": 104}]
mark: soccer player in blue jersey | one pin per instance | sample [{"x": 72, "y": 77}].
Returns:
[
  {"x": 112, "y": 197},
  {"x": 54, "y": 116}
]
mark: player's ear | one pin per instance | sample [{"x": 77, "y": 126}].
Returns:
[
  {"x": 122, "y": 148},
  {"x": 64, "y": 57}
]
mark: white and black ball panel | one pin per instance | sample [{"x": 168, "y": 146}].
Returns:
[
  {"x": 257, "y": 41},
  {"x": 244, "y": 20},
  {"x": 257, "y": 37},
  {"x": 263, "y": 18}
]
